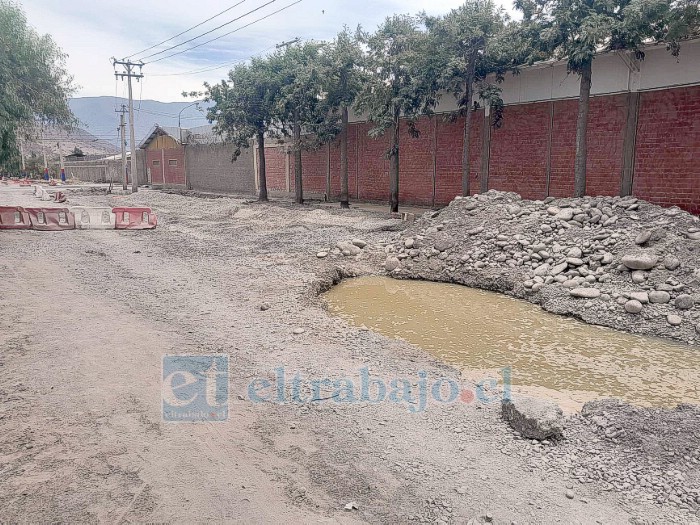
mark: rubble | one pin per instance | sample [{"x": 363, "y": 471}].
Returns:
[{"x": 615, "y": 261}]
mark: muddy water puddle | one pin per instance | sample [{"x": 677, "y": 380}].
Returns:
[{"x": 551, "y": 355}]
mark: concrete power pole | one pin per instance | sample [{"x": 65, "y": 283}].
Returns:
[
  {"x": 130, "y": 72},
  {"x": 122, "y": 130}
]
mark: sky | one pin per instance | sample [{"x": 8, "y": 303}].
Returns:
[{"x": 91, "y": 32}]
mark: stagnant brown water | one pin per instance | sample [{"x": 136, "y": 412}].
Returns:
[{"x": 559, "y": 357}]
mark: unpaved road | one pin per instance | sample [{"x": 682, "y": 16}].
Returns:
[{"x": 88, "y": 315}]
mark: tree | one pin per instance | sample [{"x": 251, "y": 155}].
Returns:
[
  {"x": 575, "y": 30},
  {"x": 343, "y": 82},
  {"x": 395, "y": 87},
  {"x": 466, "y": 45},
  {"x": 34, "y": 83},
  {"x": 300, "y": 104},
  {"x": 244, "y": 109}
]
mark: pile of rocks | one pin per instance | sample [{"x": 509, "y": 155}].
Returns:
[
  {"x": 620, "y": 262},
  {"x": 345, "y": 248},
  {"x": 641, "y": 453}
]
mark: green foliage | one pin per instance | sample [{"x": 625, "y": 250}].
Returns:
[
  {"x": 575, "y": 30},
  {"x": 245, "y": 104},
  {"x": 344, "y": 74},
  {"x": 464, "y": 48},
  {"x": 300, "y": 99},
  {"x": 34, "y": 84},
  {"x": 396, "y": 85}
]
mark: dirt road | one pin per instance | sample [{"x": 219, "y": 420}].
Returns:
[{"x": 88, "y": 315}]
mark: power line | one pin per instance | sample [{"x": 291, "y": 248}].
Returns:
[
  {"x": 207, "y": 32},
  {"x": 229, "y": 33},
  {"x": 214, "y": 68},
  {"x": 187, "y": 30}
]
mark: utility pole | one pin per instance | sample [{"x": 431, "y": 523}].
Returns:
[
  {"x": 129, "y": 72},
  {"x": 60, "y": 162},
  {"x": 122, "y": 134}
]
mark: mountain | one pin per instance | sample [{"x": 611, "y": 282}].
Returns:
[
  {"x": 97, "y": 116},
  {"x": 49, "y": 140}
]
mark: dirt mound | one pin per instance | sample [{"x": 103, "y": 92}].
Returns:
[{"x": 618, "y": 262}]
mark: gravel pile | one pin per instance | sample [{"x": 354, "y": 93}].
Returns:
[
  {"x": 618, "y": 262},
  {"x": 640, "y": 453}
]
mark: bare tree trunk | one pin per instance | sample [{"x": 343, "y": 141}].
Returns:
[
  {"x": 581, "y": 129},
  {"x": 394, "y": 165},
  {"x": 469, "y": 92},
  {"x": 466, "y": 158},
  {"x": 298, "y": 183},
  {"x": 344, "y": 191},
  {"x": 262, "y": 195}
]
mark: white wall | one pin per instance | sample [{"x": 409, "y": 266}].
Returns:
[{"x": 611, "y": 74}]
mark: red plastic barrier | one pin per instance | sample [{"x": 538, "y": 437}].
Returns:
[
  {"x": 51, "y": 219},
  {"x": 14, "y": 218},
  {"x": 25, "y": 182},
  {"x": 135, "y": 218}
]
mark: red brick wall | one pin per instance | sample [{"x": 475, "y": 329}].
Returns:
[
  {"x": 314, "y": 165},
  {"x": 416, "y": 164},
  {"x": 666, "y": 171},
  {"x": 448, "y": 157},
  {"x": 605, "y": 136},
  {"x": 275, "y": 168},
  {"x": 373, "y": 165},
  {"x": 518, "y": 160},
  {"x": 667, "y": 163}
]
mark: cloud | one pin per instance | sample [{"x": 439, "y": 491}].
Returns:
[{"x": 91, "y": 32}]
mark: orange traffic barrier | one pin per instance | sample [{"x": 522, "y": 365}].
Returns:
[
  {"x": 135, "y": 218},
  {"x": 14, "y": 218},
  {"x": 51, "y": 219}
]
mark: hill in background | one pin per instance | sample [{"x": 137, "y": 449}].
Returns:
[{"x": 97, "y": 116}]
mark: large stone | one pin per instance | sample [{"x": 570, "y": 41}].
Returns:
[
  {"x": 533, "y": 418},
  {"x": 565, "y": 215},
  {"x": 684, "y": 302},
  {"x": 638, "y": 277},
  {"x": 674, "y": 320},
  {"x": 575, "y": 252},
  {"x": 643, "y": 237},
  {"x": 443, "y": 244},
  {"x": 391, "y": 264},
  {"x": 359, "y": 243},
  {"x": 671, "y": 263},
  {"x": 633, "y": 306},
  {"x": 542, "y": 269},
  {"x": 659, "y": 297},
  {"x": 559, "y": 268},
  {"x": 347, "y": 248},
  {"x": 640, "y": 261},
  {"x": 642, "y": 297},
  {"x": 585, "y": 293}
]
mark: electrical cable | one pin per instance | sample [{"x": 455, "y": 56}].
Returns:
[
  {"x": 207, "y": 32},
  {"x": 226, "y": 34},
  {"x": 186, "y": 30}
]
